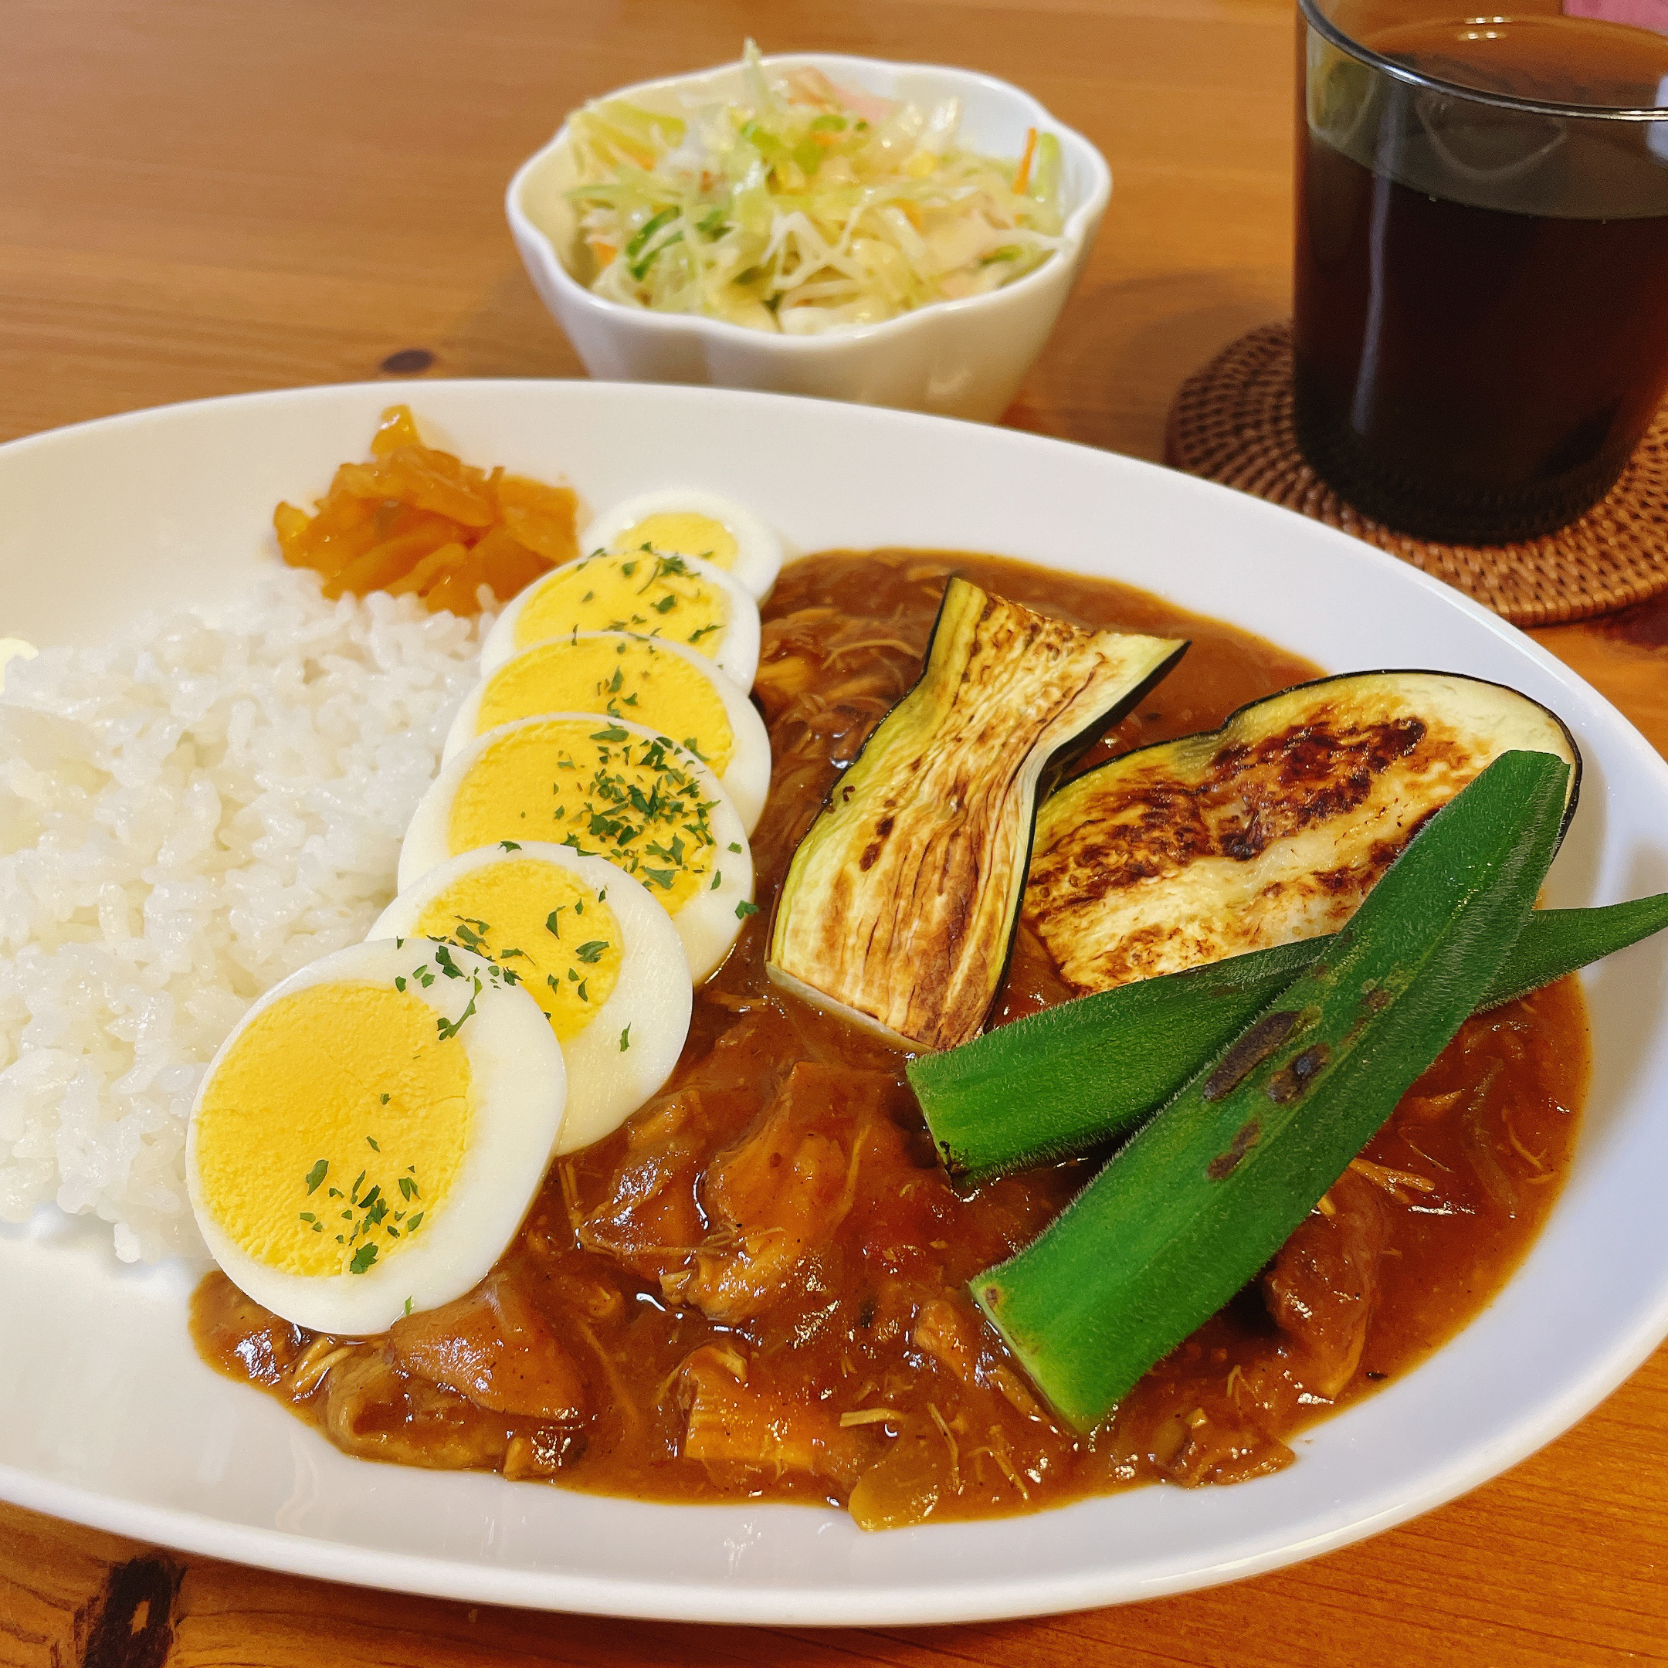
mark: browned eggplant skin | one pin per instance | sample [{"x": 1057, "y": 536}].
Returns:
[
  {"x": 1051, "y": 776},
  {"x": 1404, "y": 672},
  {"x": 947, "y": 1028},
  {"x": 1093, "y": 884}
]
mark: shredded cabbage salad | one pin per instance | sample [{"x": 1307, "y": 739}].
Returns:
[{"x": 803, "y": 207}]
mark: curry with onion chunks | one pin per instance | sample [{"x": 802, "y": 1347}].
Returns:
[{"x": 758, "y": 1286}]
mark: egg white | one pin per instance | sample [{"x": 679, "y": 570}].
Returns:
[
  {"x": 650, "y": 1003},
  {"x": 746, "y": 779},
  {"x": 518, "y": 1087},
  {"x": 737, "y": 654},
  {"x": 758, "y": 557},
  {"x": 706, "y": 925}
]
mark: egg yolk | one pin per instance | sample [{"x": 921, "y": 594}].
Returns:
[
  {"x": 546, "y": 925},
  {"x": 653, "y": 595},
  {"x": 682, "y": 533},
  {"x": 591, "y": 785},
  {"x": 625, "y": 678},
  {"x": 336, "y": 1123}
]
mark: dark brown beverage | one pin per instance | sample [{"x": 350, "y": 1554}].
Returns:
[{"x": 1481, "y": 292}]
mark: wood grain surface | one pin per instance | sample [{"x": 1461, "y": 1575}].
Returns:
[{"x": 202, "y": 197}]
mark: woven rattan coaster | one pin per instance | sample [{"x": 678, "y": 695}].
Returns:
[{"x": 1232, "y": 422}]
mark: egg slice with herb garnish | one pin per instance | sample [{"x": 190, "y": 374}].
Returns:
[
  {"x": 683, "y": 522},
  {"x": 680, "y": 599},
  {"x": 670, "y": 688},
  {"x": 605, "y": 788},
  {"x": 369, "y": 1138},
  {"x": 592, "y": 948}
]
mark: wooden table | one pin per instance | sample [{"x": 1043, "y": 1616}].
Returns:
[{"x": 201, "y": 198}]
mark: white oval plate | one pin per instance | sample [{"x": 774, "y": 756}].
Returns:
[{"x": 108, "y": 1416}]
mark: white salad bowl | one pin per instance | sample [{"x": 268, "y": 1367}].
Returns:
[{"x": 961, "y": 358}]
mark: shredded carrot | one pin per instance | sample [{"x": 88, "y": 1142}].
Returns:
[{"x": 1022, "y": 174}]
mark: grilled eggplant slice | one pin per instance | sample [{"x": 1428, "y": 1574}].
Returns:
[
  {"x": 900, "y": 904},
  {"x": 1270, "y": 829}
]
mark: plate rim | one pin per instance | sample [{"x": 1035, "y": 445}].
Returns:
[{"x": 760, "y": 1603}]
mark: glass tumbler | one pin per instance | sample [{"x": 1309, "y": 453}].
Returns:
[{"x": 1481, "y": 284}]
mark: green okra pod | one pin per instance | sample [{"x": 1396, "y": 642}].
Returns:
[
  {"x": 1200, "y": 1198},
  {"x": 1086, "y": 1071}
]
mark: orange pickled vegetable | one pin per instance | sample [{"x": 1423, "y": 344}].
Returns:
[
  {"x": 291, "y": 526},
  {"x": 507, "y": 565},
  {"x": 439, "y": 564},
  {"x": 414, "y": 519},
  {"x": 345, "y": 527},
  {"x": 397, "y": 428},
  {"x": 392, "y": 559},
  {"x": 541, "y": 517},
  {"x": 457, "y": 590},
  {"x": 437, "y": 481}
]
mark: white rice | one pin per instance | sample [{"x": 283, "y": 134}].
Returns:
[{"x": 186, "y": 817}]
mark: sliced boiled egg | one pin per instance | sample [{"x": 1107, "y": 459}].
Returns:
[
  {"x": 680, "y": 599},
  {"x": 591, "y": 947},
  {"x": 682, "y": 522},
  {"x": 672, "y": 689},
  {"x": 603, "y": 787},
  {"x": 369, "y": 1138}
]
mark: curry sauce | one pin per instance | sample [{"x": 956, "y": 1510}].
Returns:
[{"x": 757, "y": 1287}]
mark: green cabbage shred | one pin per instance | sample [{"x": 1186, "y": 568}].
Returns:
[{"x": 803, "y": 207}]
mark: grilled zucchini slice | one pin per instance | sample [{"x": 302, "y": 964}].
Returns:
[
  {"x": 899, "y": 907},
  {"x": 1270, "y": 829}
]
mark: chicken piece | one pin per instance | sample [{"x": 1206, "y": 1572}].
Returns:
[
  {"x": 950, "y": 1335},
  {"x": 731, "y": 1424},
  {"x": 1192, "y": 1450},
  {"x": 377, "y": 1412},
  {"x": 495, "y": 1348},
  {"x": 1322, "y": 1286},
  {"x": 779, "y": 1195},
  {"x": 648, "y": 1217},
  {"x": 790, "y": 658},
  {"x": 946, "y": 1334},
  {"x": 540, "y": 518},
  {"x": 649, "y": 1220}
]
